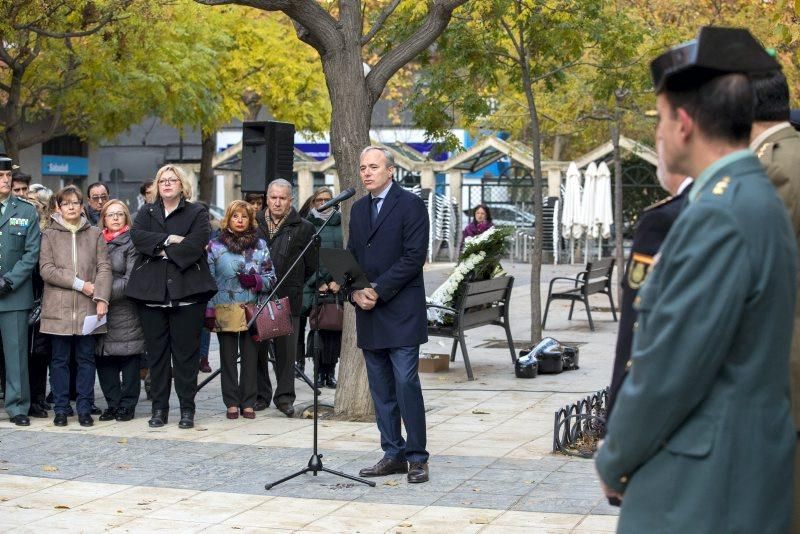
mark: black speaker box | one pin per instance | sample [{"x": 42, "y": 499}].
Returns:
[{"x": 267, "y": 154}]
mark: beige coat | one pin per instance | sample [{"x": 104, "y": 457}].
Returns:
[{"x": 63, "y": 257}]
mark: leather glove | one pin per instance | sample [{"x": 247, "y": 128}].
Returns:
[
  {"x": 210, "y": 320},
  {"x": 5, "y": 287},
  {"x": 248, "y": 281}
]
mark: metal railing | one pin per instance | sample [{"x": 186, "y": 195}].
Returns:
[{"x": 579, "y": 426}]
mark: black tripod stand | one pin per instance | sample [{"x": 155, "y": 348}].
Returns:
[{"x": 315, "y": 462}]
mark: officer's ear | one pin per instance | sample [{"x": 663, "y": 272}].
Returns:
[{"x": 686, "y": 123}]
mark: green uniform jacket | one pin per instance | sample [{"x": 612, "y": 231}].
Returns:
[
  {"x": 19, "y": 252},
  {"x": 780, "y": 155},
  {"x": 701, "y": 438}
]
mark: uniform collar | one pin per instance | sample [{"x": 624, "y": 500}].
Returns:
[
  {"x": 710, "y": 171},
  {"x": 759, "y": 140}
]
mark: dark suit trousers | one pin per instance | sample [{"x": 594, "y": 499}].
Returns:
[
  {"x": 285, "y": 354},
  {"x": 14, "y": 325},
  {"x": 172, "y": 336},
  {"x": 239, "y": 385},
  {"x": 119, "y": 380},
  {"x": 397, "y": 393}
]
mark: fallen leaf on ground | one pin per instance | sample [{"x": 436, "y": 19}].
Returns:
[
  {"x": 390, "y": 483},
  {"x": 61, "y": 507},
  {"x": 50, "y": 468},
  {"x": 480, "y": 412},
  {"x": 122, "y": 441},
  {"x": 479, "y": 521},
  {"x": 405, "y": 525},
  {"x": 123, "y": 466}
]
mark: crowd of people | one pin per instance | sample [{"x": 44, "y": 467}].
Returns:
[{"x": 88, "y": 291}]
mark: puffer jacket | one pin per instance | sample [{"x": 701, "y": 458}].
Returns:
[
  {"x": 124, "y": 336},
  {"x": 64, "y": 256},
  {"x": 225, "y": 265}
]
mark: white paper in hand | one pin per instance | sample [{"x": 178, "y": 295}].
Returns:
[{"x": 92, "y": 323}]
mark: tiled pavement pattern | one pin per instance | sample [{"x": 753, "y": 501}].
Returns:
[{"x": 490, "y": 440}]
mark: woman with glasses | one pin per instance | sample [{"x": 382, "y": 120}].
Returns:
[
  {"x": 331, "y": 237},
  {"x": 240, "y": 263},
  {"x": 172, "y": 284},
  {"x": 119, "y": 351},
  {"x": 74, "y": 265}
]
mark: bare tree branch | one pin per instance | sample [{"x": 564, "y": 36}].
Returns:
[
  {"x": 427, "y": 32},
  {"x": 385, "y": 14},
  {"x": 61, "y": 35}
]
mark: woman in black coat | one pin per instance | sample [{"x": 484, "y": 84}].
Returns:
[
  {"x": 172, "y": 284},
  {"x": 119, "y": 351}
]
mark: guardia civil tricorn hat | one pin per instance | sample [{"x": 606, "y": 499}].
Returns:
[
  {"x": 716, "y": 51},
  {"x": 7, "y": 164}
]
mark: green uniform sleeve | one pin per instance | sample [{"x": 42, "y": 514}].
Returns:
[{"x": 682, "y": 339}]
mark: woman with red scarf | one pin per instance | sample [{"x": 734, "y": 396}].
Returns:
[{"x": 119, "y": 351}]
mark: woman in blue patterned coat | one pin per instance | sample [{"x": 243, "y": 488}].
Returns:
[{"x": 241, "y": 265}]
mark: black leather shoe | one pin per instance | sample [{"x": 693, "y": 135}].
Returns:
[
  {"x": 22, "y": 420},
  {"x": 417, "y": 473},
  {"x": 330, "y": 381},
  {"x": 187, "y": 419},
  {"x": 159, "y": 419},
  {"x": 60, "y": 419},
  {"x": 124, "y": 414},
  {"x": 70, "y": 411},
  {"x": 109, "y": 414},
  {"x": 260, "y": 405},
  {"x": 95, "y": 410},
  {"x": 44, "y": 405},
  {"x": 287, "y": 409},
  {"x": 85, "y": 419},
  {"x": 386, "y": 466},
  {"x": 36, "y": 410}
]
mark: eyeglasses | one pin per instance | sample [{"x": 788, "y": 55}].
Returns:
[
  {"x": 116, "y": 215},
  {"x": 69, "y": 203},
  {"x": 170, "y": 181},
  {"x": 98, "y": 198}
]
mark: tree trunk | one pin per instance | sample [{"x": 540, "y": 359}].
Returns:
[
  {"x": 618, "y": 237},
  {"x": 205, "y": 181},
  {"x": 10, "y": 139},
  {"x": 350, "y": 121}
]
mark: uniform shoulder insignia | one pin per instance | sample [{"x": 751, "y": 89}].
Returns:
[
  {"x": 659, "y": 203},
  {"x": 638, "y": 269},
  {"x": 721, "y": 186},
  {"x": 766, "y": 147}
]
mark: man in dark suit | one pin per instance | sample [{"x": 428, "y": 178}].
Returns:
[
  {"x": 651, "y": 231},
  {"x": 389, "y": 238}
]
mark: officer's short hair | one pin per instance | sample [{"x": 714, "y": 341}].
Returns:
[
  {"x": 96, "y": 184},
  {"x": 771, "y": 97},
  {"x": 19, "y": 176},
  {"x": 722, "y": 107}
]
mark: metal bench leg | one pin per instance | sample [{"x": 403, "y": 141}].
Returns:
[
  {"x": 611, "y": 300},
  {"x": 546, "y": 309},
  {"x": 588, "y": 312},
  {"x": 453, "y": 350},
  {"x": 511, "y": 342},
  {"x": 466, "y": 357},
  {"x": 571, "y": 307}
]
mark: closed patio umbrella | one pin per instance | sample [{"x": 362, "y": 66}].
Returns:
[
  {"x": 603, "y": 215},
  {"x": 570, "y": 219}
]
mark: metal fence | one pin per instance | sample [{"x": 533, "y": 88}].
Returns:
[{"x": 579, "y": 426}]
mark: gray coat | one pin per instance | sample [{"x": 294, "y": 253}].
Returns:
[{"x": 125, "y": 336}]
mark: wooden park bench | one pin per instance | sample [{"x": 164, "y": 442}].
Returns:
[
  {"x": 596, "y": 278},
  {"x": 482, "y": 303}
]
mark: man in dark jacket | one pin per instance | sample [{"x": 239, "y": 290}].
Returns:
[{"x": 287, "y": 234}]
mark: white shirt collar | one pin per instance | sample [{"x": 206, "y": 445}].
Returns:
[{"x": 684, "y": 184}]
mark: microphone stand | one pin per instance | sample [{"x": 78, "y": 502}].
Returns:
[{"x": 315, "y": 462}]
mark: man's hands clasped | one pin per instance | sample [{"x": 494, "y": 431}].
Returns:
[{"x": 365, "y": 298}]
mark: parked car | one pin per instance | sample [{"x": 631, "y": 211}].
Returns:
[{"x": 506, "y": 215}]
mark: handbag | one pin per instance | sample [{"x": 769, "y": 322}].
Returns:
[
  {"x": 327, "y": 315},
  {"x": 35, "y": 315},
  {"x": 230, "y": 318},
  {"x": 275, "y": 320}
]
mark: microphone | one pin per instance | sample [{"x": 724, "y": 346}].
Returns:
[{"x": 338, "y": 199}]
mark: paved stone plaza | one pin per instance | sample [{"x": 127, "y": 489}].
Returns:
[{"x": 492, "y": 469}]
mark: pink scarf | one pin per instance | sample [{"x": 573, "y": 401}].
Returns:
[{"x": 110, "y": 236}]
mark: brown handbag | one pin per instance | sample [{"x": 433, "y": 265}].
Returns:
[
  {"x": 327, "y": 315},
  {"x": 275, "y": 320}
]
